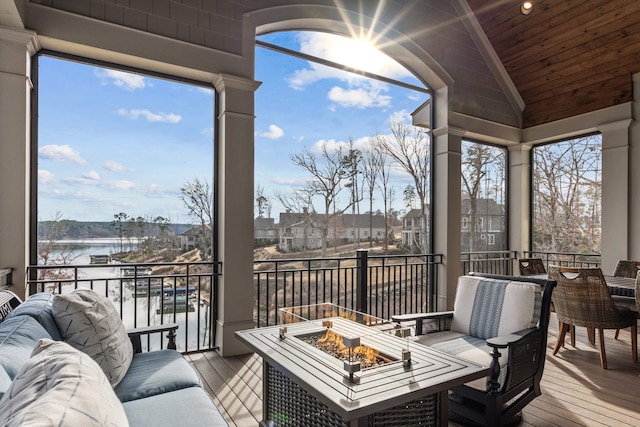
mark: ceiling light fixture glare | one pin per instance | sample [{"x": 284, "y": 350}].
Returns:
[{"x": 526, "y": 8}]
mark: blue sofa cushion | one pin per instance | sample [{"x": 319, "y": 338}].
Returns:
[
  {"x": 189, "y": 407},
  {"x": 154, "y": 373},
  {"x": 19, "y": 335},
  {"x": 39, "y": 307}
]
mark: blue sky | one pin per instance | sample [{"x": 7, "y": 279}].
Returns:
[{"x": 113, "y": 142}]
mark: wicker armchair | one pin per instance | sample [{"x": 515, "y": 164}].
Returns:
[
  {"x": 625, "y": 268},
  {"x": 531, "y": 266},
  {"x": 583, "y": 299}
]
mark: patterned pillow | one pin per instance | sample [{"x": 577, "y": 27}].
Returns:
[
  {"x": 61, "y": 386},
  {"x": 89, "y": 322}
]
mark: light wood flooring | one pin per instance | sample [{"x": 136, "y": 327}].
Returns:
[{"x": 576, "y": 391}]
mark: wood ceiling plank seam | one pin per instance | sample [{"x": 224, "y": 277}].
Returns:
[
  {"x": 569, "y": 83},
  {"x": 574, "y": 39},
  {"x": 584, "y": 69},
  {"x": 563, "y": 107}
]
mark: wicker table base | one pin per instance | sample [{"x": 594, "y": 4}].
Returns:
[{"x": 288, "y": 404}]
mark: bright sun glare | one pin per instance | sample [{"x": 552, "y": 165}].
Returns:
[{"x": 359, "y": 54}]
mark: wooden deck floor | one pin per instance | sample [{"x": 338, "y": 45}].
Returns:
[{"x": 576, "y": 391}]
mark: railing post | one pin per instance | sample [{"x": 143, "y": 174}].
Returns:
[{"x": 362, "y": 268}]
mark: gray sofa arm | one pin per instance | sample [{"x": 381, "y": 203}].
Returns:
[
  {"x": 420, "y": 317},
  {"x": 136, "y": 333}
]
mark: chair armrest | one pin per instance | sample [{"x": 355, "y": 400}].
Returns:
[
  {"x": 526, "y": 355},
  {"x": 504, "y": 341},
  {"x": 420, "y": 317},
  {"x": 136, "y": 333}
]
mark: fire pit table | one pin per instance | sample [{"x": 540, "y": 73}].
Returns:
[{"x": 325, "y": 365}]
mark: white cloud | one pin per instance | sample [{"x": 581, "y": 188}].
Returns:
[
  {"x": 113, "y": 166},
  {"x": 60, "y": 153},
  {"x": 360, "y": 98},
  {"x": 274, "y": 132},
  {"x": 121, "y": 79},
  {"x": 92, "y": 176},
  {"x": 150, "y": 116},
  {"x": 401, "y": 116},
  {"x": 331, "y": 144},
  {"x": 120, "y": 185},
  {"x": 45, "y": 177},
  {"x": 293, "y": 182}
]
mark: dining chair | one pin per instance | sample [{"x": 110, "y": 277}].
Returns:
[
  {"x": 582, "y": 298},
  {"x": 531, "y": 266},
  {"x": 626, "y": 268}
]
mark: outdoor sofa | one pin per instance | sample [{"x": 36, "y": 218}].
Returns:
[{"x": 47, "y": 381}]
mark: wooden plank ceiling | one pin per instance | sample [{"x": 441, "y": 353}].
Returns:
[{"x": 567, "y": 57}]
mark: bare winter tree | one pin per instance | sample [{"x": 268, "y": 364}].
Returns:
[
  {"x": 262, "y": 203},
  {"x": 477, "y": 159},
  {"x": 385, "y": 189},
  {"x": 567, "y": 193},
  {"x": 350, "y": 171},
  {"x": 52, "y": 252},
  {"x": 408, "y": 147},
  {"x": 372, "y": 163},
  {"x": 198, "y": 199},
  {"x": 326, "y": 170}
]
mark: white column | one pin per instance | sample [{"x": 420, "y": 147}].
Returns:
[
  {"x": 634, "y": 175},
  {"x": 519, "y": 198},
  {"x": 615, "y": 193},
  {"x": 446, "y": 204},
  {"x": 16, "y": 48},
  {"x": 235, "y": 209}
]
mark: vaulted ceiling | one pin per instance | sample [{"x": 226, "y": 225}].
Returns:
[{"x": 567, "y": 57}]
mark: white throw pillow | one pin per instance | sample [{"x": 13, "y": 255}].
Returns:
[
  {"x": 61, "y": 386},
  {"x": 90, "y": 322}
]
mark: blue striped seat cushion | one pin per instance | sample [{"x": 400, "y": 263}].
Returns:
[{"x": 486, "y": 308}]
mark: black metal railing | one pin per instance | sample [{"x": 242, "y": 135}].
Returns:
[
  {"x": 566, "y": 259},
  {"x": 146, "y": 295},
  {"x": 492, "y": 262},
  {"x": 380, "y": 285}
]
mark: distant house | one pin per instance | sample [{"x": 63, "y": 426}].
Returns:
[
  {"x": 299, "y": 231},
  {"x": 413, "y": 229},
  {"x": 362, "y": 226},
  {"x": 490, "y": 226},
  {"x": 189, "y": 239},
  {"x": 264, "y": 229}
]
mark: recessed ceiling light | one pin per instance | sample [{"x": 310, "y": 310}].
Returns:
[{"x": 526, "y": 8}]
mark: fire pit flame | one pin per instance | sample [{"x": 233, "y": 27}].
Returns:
[{"x": 334, "y": 343}]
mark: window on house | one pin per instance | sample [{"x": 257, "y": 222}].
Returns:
[
  {"x": 116, "y": 149},
  {"x": 492, "y": 239},
  {"x": 465, "y": 223}
]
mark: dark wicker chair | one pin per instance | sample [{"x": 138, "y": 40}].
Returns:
[
  {"x": 625, "y": 268},
  {"x": 531, "y": 266},
  {"x": 509, "y": 388},
  {"x": 582, "y": 299}
]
